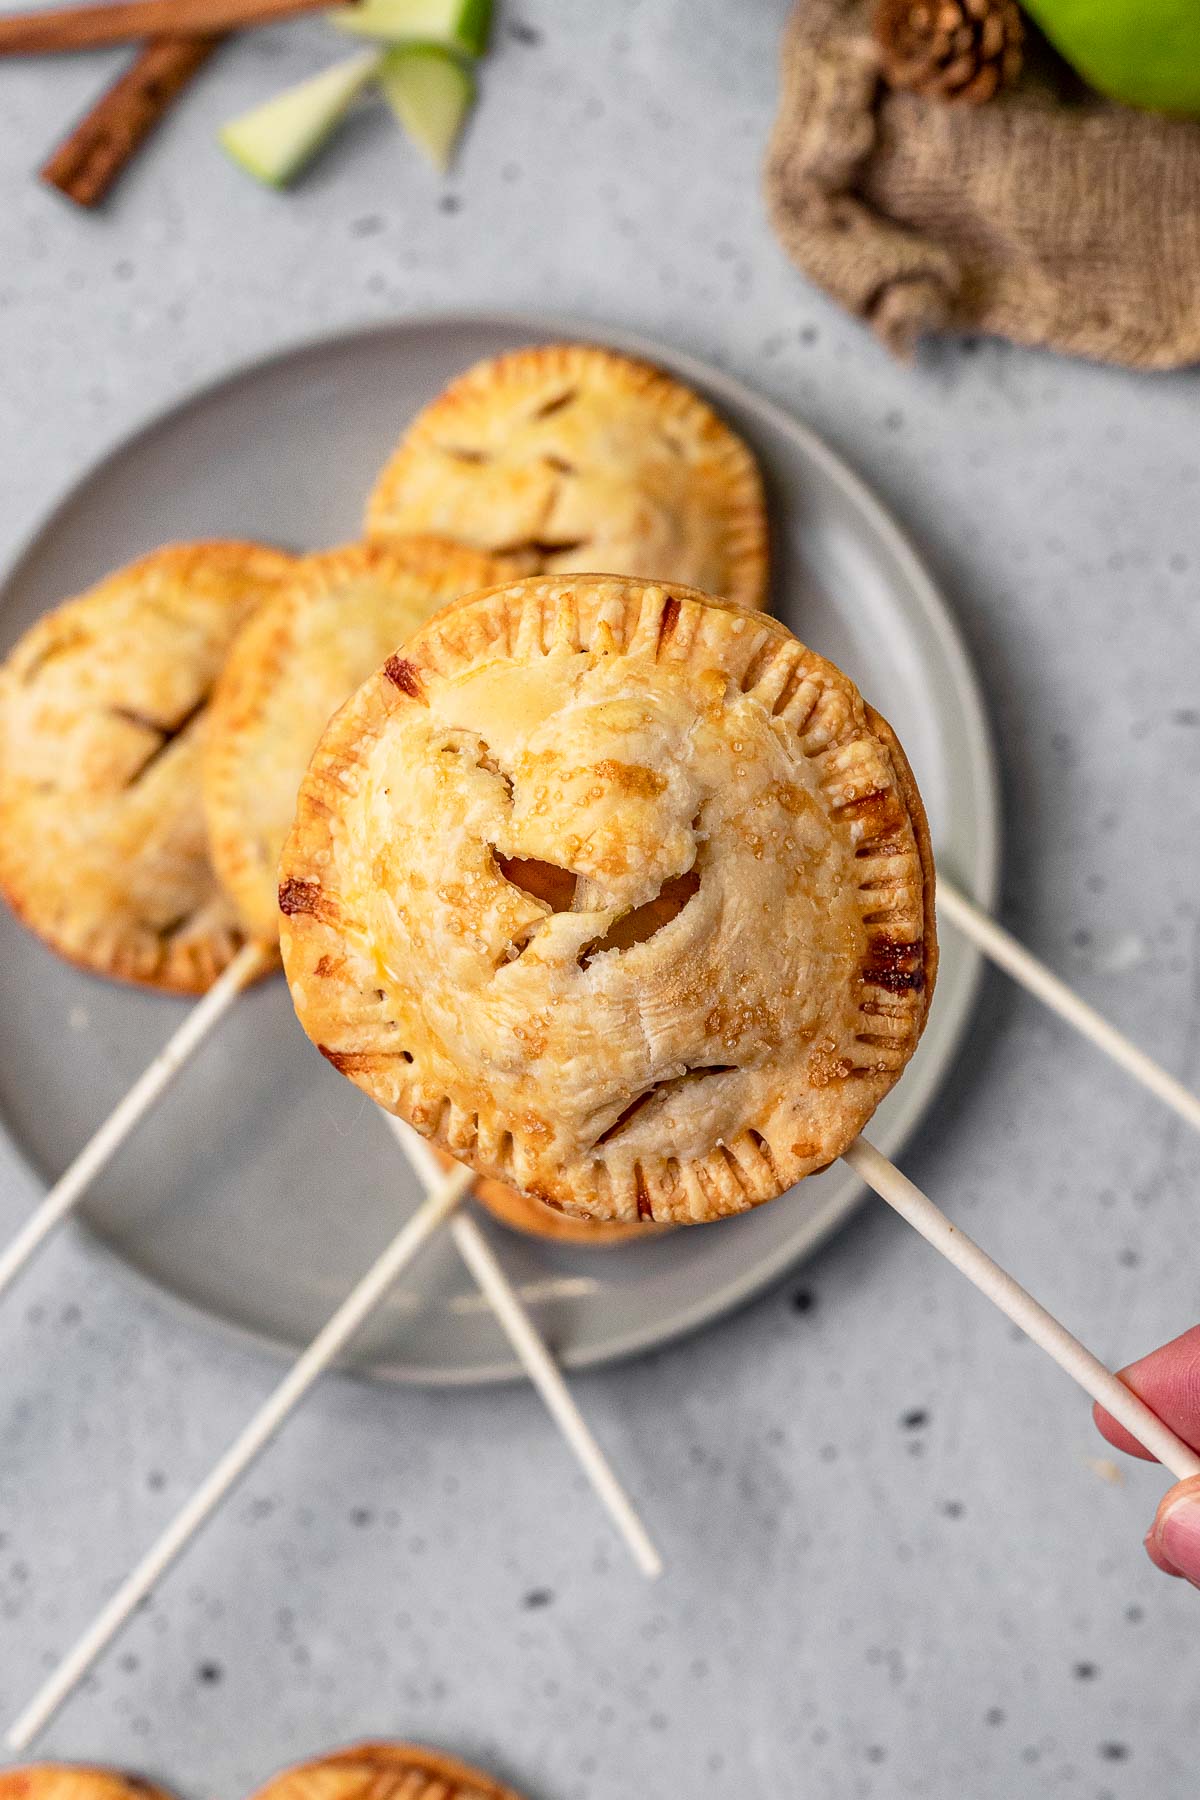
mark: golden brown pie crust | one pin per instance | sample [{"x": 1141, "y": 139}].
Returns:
[
  {"x": 103, "y": 715},
  {"x": 381, "y": 1771},
  {"x": 74, "y": 1781},
  {"x": 301, "y": 655},
  {"x": 524, "y": 1213},
  {"x": 616, "y": 892},
  {"x": 579, "y": 459}
]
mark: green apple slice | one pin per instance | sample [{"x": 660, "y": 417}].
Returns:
[
  {"x": 274, "y": 141},
  {"x": 431, "y": 94},
  {"x": 460, "y": 25}
]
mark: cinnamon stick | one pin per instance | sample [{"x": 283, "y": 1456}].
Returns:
[
  {"x": 129, "y": 21},
  {"x": 86, "y": 163}
]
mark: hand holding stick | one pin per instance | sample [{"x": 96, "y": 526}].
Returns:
[{"x": 1042, "y": 1327}]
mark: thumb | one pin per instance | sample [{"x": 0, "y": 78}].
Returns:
[
  {"x": 1174, "y": 1539},
  {"x": 1168, "y": 1380}
]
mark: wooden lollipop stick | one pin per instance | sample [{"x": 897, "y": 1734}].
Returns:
[
  {"x": 250, "y": 1442},
  {"x": 535, "y": 1358},
  {"x": 1025, "y": 968},
  {"x": 1022, "y": 1309},
  {"x": 74, "y": 1182}
]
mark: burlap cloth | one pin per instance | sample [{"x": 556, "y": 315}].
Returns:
[{"x": 1047, "y": 215}]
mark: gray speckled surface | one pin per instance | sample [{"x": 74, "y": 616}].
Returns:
[{"x": 892, "y": 1569}]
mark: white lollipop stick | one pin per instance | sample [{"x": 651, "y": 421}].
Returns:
[
  {"x": 98, "y": 1152},
  {"x": 1022, "y": 1309},
  {"x": 327, "y": 1345},
  {"x": 535, "y": 1358},
  {"x": 1025, "y": 968}
]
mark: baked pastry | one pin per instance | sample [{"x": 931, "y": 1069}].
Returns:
[
  {"x": 616, "y": 892},
  {"x": 341, "y": 613},
  {"x": 103, "y": 713},
  {"x": 525, "y": 1213},
  {"x": 74, "y": 1781},
  {"x": 534, "y": 1218},
  {"x": 578, "y": 458},
  {"x": 384, "y": 1772}
]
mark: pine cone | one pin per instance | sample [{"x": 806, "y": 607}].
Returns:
[{"x": 955, "y": 49}]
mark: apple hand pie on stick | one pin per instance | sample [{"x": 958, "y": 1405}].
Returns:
[
  {"x": 621, "y": 895},
  {"x": 618, "y": 894}
]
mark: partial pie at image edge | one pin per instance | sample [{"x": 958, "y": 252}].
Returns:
[
  {"x": 76, "y": 1781},
  {"x": 384, "y": 1770},
  {"x": 377, "y": 1770}
]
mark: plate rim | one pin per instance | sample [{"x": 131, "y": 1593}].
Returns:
[{"x": 938, "y": 618}]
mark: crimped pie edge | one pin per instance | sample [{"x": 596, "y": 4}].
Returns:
[
  {"x": 449, "y": 1778},
  {"x": 534, "y": 1218}
]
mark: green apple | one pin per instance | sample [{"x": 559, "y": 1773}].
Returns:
[
  {"x": 274, "y": 141},
  {"x": 1144, "y": 52},
  {"x": 460, "y": 25},
  {"x": 431, "y": 94}
]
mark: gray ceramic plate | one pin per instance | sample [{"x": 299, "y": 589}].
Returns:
[{"x": 264, "y": 1185}]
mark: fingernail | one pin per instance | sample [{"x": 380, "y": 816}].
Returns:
[{"x": 1177, "y": 1533}]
